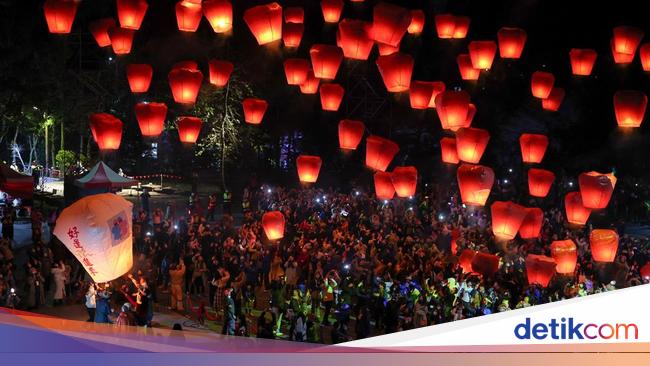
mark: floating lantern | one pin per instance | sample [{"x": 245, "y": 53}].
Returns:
[
  {"x": 121, "y": 40},
  {"x": 254, "y": 110},
  {"x": 533, "y": 147},
  {"x": 59, "y": 15},
  {"x": 296, "y": 70},
  {"x": 644, "y": 55},
  {"x": 325, "y": 60},
  {"x": 332, "y": 10},
  {"x": 511, "y": 42},
  {"x": 482, "y": 54},
  {"x": 420, "y": 93},
  {"x": 405, "y": 180},
  {"x": 417, "y": 22},
  {"x": 448, "y": 150},
  {"x": 331, "y": 96},
  {"x": 540, "y": 269},
  {"x": 582, "y": 61},
  {"x": 465, "y": 260},
  {"x": 99, "y": 29},
  {"x": 294, "y": 14},
  {"x": 626, "y": 39},
  {"x": 620, "y": 58},
  {"x": 353, "y": 36},
  {"x": 308, "y": 167},
  {"x": 467, "y": 71},
  {"x": 445, "y": 25},
  {"x": 273, "y": 225},
  {"x": 384, "y": 189},
  {"x": 453, "y": 109},
  {"x": 265, "y": 22},
  {"x": 475, "y": 183},
  {"x": 219, "y": 14},
  {"x": 292, "y": 34},
  {"x": 188, "y": 15},
  {"x": 540, "y": 182},
  {"x": 220, "y": 72},
  {"x": 106, "y": 130},
  {"x": 532, "y": 224},
  {"x": 380, "y": 152},
  {"x": 554, "y": 100},
  {"x": 131, "y": 12},
  {"x": 350, "y": 133},
  {"x": 151, "y": 118},
  {"x": 471, "y": 143},
  {"x": 507, "y": 218},
  {"x": 485, "y": 264},
  {"x": 541, "y": 84},
  {"x": 188, "y": 129},
  {"x": 396, "y": 70},
  {"x": 596, "y": 189},
  {"x": 576, "y": 212},
  {"x": 390, "y": 23},
  {"x": 604, "y": 245},
  {"x": 565, "y": 254},
  {"x": 461, "y": 27},
  {"x": 310, "y": 86},
  {"x": 438, "y": 87},
  {"x": 139, "y": 76},
  {"x": 185, "y": 85},
  {"x": 629, "y": 107}
]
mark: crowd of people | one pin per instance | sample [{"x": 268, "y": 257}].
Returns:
[{"x": 349, "y": 266}]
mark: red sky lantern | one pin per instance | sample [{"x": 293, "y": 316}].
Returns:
[
  {"x": 384, "y": 189},
  {"x": 296, "y": 70},
  {"x": 59, "y": 15},
  {"x": 471, "y": 143},
  {"x": 576, "y": 212},
  {"x": 604, "y": 245},
  {"x": 461, "y": 27},
  {"x": 420, "y": 94},
  {"x": 380, "y": 152},
  {"x": 511, "y": 42},
  {"x": 139, "y": 76},
  {"x": 219, "y": 14},
  {"x": 188, "y": 129},
  {"x": 554, "y": 100},
  {"x": 188, "y": 15},
  {"x": 539, "y": 269},
  {"x": 386, "y": 49},
  {"x": 475, "y": 183},
  {"x": 294, "y": 14},
  {"x": 582, "y": 61},
  {"x": 405, "y": 180},
  {"x": 532, "y": 224},
  {"x": 186, "y": 64},
  {"x": 541, "y": 84},
  {"x": 438, "y": 87},
  {"x": 565, "y": 254},
  {"x": 396, "y": 70},
  {"x": 596, "y": 189},
  {"x": 99, "y": 29},
  {"x": 331, "y": 96},
  {"x": 308, "y": 167},
  {"x": 332, "y": 10},
  {"x": 507, "y": 218},
  {"x": 540, "y": 182},
  {"x": 106, "y": 130},
  {"x": 465, "y": 260},
  {"x": 151, "y": 118},
  {"x": 453, "y": 108},
  {"x": 644, "y": 55},
  {"x": 131, "y": 12},
  {"x": 350, "y": 133},
  {"x": 467, "y": 71},
  {"x": 482, "y": 54},
  {"x": 533, "y": 147},
  {"x": 310, "y": 86},
  {"x": 220, "y": 72},
  {"x": 485, "y": 264},
  {"x": 620, "y": 58},
  {"x": 445, "y": 25},
  {"x": 254, "y": 110},
  {"x": 292, "y": 34},
  {"x": 626, "y": 39},
  {"x": 629, "y": 107},
  {"x": 273, "y": 225},
  {"x": 121, "y": 40},
  {"x": 325, "y": 60},
  {"x": 185, "y": 85},
  {"x": 448, "y": 150},
  {"x": 417, "y": 22},
  {"x": 353, "y": 36},
  {"x": 390, "y": 23},
  {"x": 265, "y": 22}
]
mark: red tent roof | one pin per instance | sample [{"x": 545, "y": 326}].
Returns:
[
  {"x": 14, "y": 183},
  {"x": 101, "y": 176}
]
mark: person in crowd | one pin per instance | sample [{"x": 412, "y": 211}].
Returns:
[{"x": 91, "y": 303}]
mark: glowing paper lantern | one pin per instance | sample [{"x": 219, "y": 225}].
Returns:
[
  {"x": 438, "y": 87},
  {"x": 626, "y": 39},
  {"x": 565, "y": 254},
  {"x": 350, "y": 133},
  {"x": 554, "y": 100},
  {"x": 471, "y": 143},
  {"x": 99, "y": 29},
  {"x": 475, "y": 183},
  {"x": 629, "y": 107},
  {"x": 220, "y": 72},
  {"x": 131, "y": 12},
  {"x": 308, "y": 167},
  {"x": 390, "y": 23},
  {"x": 325, "y": 60},
  {"x": 539, "y": 182},
  {"x": 296, "y": 70},
  {"x": 380, "y": 152},
  {"x": 331, "y": 10},
  {"x": 604, "y": 245},
  {"x": 482, "y": 53},
  {"x": 465, "y": 260},
  {"x": 644, "y": 55},
  {"x": 353, "y": 36},
  {"x": 384, "y": 189},
  {"x": 540, "y": 269},
  {"x": 576, "y": 212},
  {"x": 445, "y": 25},
  {"x": 541, "y": 84},
  {"x": 507, "y": 218},
  {"x": 596, "y": 189},
  {"x": 420, "y": 94},
  {"x": 106, "y": 130},
  {"x": 121, "y": 40},
  {"x": 273, "y": 225},
  {"x": 396, "y": 70},
  {"x": 97, "y": 230},
  {"x": 461, "y": 27},
  {"x": 151, "y": 118},
  {"x": 532, "y": 224},
  {"x": 485, "y": 264},
  {"x": 294, "y": 14},
  {"x": 331, "y": 96},
  {"x": 219, "y": 14},
  {"x": 386, "y": 50},
  {"x": 188, "y": 129},
  {"x": 533, "y": 147},
  {"x": 254, "y": 110},
  {"x": 448, "y": 150},
  {"x": 511, "y": 42},
  {"x": 139, "y": 76},
  {"x": 582, "y": 61},
  {"x": 620, "y": 58},
  {"x": 292, "y": 34},
  {"x": 467, "y": 71},
  {"x": 185, "y": 85},
  {"x": 59, "y": 15},
  {"x": 188, "y": 15},
  {"x": 405, "y": 180},
  {"x": 265, "y": 22},
  {"x": 310, "y": 86},
  {"x": 453, "y": 109},
  {"x": 417, "y": 22}
]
